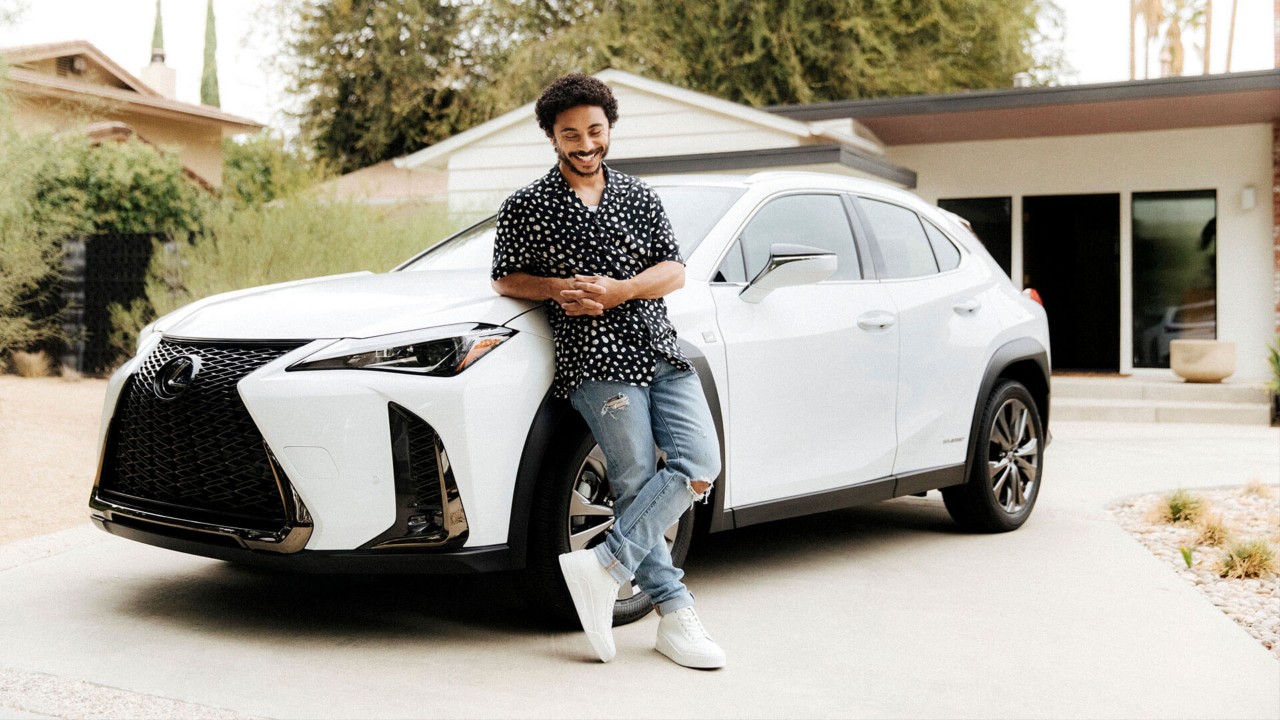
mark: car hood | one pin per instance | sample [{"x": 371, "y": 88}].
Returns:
[{"x": 346, "y": 306}]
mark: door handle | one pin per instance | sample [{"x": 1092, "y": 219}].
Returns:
[
  {"x": 876, "y": 321},
  {"x": 967, "y": 307}
]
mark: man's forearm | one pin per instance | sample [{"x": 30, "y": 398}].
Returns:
[
  {"x": 657, "y": 281},
  {"x": 531, "y": 287}
]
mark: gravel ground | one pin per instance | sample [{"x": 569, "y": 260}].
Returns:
[
  {"x": 1249, "y": 512},
  {"x": 48, "y": 433}
]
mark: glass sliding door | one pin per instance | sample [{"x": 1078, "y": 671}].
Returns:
[{"x": 1174, "y": 272}]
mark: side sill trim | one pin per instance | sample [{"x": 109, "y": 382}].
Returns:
[{"x": 861, "y": 494}]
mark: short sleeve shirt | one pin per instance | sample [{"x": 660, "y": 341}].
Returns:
[{"x": 544, "y": 229}]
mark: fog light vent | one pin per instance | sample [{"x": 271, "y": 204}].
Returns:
[{"x": 429, "y": 510}]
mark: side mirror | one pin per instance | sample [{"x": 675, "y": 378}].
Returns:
[{"x": 788, "y": 266}]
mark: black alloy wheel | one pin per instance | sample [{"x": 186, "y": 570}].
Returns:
[{"x": 1004, "y": 480}]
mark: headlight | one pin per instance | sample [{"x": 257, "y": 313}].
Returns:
[{"x": 441, "y": 351}]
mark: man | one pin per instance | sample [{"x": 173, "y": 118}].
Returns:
[{"x": 596, "y": 247}]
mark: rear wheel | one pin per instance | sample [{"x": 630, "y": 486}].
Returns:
[
  {"x": 573, "y": 510},
  {"x": 1004, "y": 480}
]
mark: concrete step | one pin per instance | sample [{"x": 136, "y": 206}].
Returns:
[
  {"x": 1173, "y": 389},
  {"x": 1161, "y": 411}
]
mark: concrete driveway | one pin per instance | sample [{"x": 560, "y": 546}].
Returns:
[{"x": 884, "y": 611}]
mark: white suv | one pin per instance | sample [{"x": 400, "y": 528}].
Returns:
[{"x": 855, "y": 345}]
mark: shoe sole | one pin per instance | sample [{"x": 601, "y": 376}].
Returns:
[
  {"x": 698, "y": 662},
  {"x": 582, "y": 599}
]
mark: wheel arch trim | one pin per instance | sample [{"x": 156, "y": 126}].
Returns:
[{"x": 1024, "y": 360}]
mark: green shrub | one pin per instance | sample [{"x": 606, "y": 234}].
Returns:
[
  {"x": 116, "y": 187},
  {"x": 261, "y": 168}
]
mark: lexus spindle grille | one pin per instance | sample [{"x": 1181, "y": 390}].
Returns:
[{"x": 185, "y": 446}]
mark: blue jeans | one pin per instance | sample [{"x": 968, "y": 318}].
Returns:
[{"x": 628, "y": 421}]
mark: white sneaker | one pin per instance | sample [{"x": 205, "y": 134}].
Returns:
[
  {"x": 594, "y": 592},
  {"x": 682, "y": 638}
]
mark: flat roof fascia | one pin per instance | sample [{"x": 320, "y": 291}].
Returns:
[
  {"x": 1260, "y": 80},
  {"x": 767, "y": 158}
]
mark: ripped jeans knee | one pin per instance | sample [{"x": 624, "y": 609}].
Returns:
[{"x": 705, "y": 494}]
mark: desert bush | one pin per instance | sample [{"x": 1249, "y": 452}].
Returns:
[
  {"x": 30, "y": 256},
  {"x": 1212, "y": 530},
  {"x": 299, "y": 238},
  {"x": 1273, "y": 359},
  {"x": 1247, "y": 559},
  {"x": 1180, "y": 506},
  {"x": 1257, "y": 488},
  {"x": 30, "y": 364}
]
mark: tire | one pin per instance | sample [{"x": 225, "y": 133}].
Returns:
[
  {"x": 1004, "y": 479},
  {"x": 573, "y": 493}
]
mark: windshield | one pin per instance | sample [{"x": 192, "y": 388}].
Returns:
[{"x": 693, "y": 211}]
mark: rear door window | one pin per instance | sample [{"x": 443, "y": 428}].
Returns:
[{"x": 904, "y": 247}]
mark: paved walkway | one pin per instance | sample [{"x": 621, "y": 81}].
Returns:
[{"x": 883, "y": 611}]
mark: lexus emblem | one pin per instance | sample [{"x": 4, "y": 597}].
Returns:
[{"x": 175, "y": 376}]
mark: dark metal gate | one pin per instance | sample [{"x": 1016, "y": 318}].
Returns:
[{"x": 99, "y": 270}]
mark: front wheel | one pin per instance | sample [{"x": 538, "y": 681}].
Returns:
[
  {"x": 1008, "y": 461},
  {"x": 572, "y": 511}
]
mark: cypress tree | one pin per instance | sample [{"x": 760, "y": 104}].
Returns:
[
  {"x": 209, "y": 76},
  {"x": 157, "y": 36}
]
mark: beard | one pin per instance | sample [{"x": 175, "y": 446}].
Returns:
[{"x": 565, "y": 161}]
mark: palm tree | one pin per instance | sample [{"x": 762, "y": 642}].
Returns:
[
  {"x": 1135, "y": 11},
  {"x": 1231, "y": 33},
  {"x": 1208, "y": 32},
  {"x": 1152, "y": 12},
  {"x": 1184, "y": 17}
]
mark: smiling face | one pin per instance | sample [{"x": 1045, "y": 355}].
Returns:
[{"x": 581, "y": 139}]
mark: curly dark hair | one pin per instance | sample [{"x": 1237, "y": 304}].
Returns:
[{"x": 570, "y": 91}]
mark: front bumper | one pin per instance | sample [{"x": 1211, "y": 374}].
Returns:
[
  {"x": 336, "y": 444},
  {"x": 222, "y": 547}
]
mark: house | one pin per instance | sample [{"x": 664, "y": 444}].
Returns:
[
  {"x": 663, "y": 129},
  {"x": 65, "y": 85},
  {"x": 1141, "y": 211}
]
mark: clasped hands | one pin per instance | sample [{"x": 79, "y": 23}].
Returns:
[{"x": 592, "y": 294}]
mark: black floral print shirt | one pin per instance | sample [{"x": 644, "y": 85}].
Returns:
[{"x": 545, "y": 230}]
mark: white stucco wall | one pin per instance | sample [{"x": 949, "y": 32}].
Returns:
[
  {"x": 482, "y": 174},
  {"x": 1225, "y": 159}
]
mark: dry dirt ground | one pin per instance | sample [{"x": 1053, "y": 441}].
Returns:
[{"x": 48, "y": 453}]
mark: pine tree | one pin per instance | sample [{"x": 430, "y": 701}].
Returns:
[{"x": 209, "y": 75}]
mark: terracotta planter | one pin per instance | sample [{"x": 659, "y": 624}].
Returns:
[{"x": 1202, "y": 360}]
